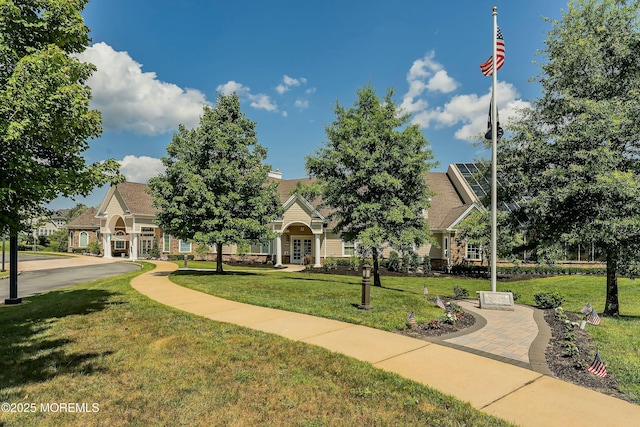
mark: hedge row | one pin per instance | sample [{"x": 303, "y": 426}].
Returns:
[{"x": 518, "y": 269}]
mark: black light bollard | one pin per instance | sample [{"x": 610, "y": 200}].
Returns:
[{"x": 366, "y": 288}]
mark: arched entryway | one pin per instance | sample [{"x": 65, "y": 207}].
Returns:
[
  {"x": 298, "y": 244},
  {"x": 116, "y": 240}
]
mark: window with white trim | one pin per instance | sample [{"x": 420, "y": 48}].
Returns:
[
  {"x": 474, "y": 252},
  {"x": 185, "y": 246},
  {"x": 348, "y": 248},
  {"x": 71, "y": 235},
  {"x": 120, "y": 243},
  {"x": 83, "y": 240},
  {"x": 166, "y": 243}
]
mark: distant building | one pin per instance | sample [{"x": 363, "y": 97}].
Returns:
[
  {"x": 124, "y": 224},
  {"x": 46, "y": 226}
]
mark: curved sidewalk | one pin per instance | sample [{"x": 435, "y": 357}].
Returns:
[{"x": 505, "y": 390}]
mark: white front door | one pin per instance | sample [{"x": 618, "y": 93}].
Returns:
[
  {"x": 145, "y": 247},
  {"x": 301, "y": 247}
]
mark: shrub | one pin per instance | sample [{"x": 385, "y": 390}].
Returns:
[
  {"x": 426, "y": 264},
  {"x": 179, "y": 257},
  {"x": 460, "y": 292},
  {"x": 330, "y": 263},
  {"x": 394, "y": 261},
  {"x": 548, "y": 300},
  {"x": 93, "y": 248},
  {"x": 354, "y": 262},
  {"x": 155, "y": 250}
]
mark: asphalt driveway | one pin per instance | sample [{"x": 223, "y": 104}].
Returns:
[{"x": 33, "y": 282}]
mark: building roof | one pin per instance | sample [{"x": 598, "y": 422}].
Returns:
[
  {"x": 446, "y": 205},
  {"x": 136, "y": 198},
  {"x": 86, "y": 219}
]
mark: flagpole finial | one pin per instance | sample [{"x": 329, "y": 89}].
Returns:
[{"x": 495, "y": 9}]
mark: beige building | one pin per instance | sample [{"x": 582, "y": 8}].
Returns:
[{"x": 125, "y": 226}]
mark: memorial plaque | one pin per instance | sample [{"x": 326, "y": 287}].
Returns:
[{"x": 496, "y": 300}]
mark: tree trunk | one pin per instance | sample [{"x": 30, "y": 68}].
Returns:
[
  {"x": 219, "y": 258},
  {"x": 376, "y": 268},
  {"x": 611, "y": 307}
]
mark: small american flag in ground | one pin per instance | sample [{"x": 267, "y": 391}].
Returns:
[
  {"x": 425, "y": 290},
  {"x": 597, "y": 367},
  {"x": 487, "y": 66},
  {"x": 586, "y": 309},
  {"x": 593, "y": 318},
  {"x": 412, "y": 318},
  {"x": 439, "y": 303}
]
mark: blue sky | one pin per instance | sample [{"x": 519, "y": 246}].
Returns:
[{"x": 160, "y": 61}]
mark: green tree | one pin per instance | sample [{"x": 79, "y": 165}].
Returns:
[
  {"x": 572, "y": 159},
  {"x": 475, "y": 229},
  {"x": 372, "y": 172},
  {"x": 76, "y": 211},
  {"x": 214, "y": 189},
  {"x": 45, "y": 119}
]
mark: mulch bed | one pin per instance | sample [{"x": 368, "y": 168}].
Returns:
[{"x": 564, "y": 367}]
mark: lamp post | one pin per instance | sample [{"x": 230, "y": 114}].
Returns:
[
  {"x": 366, "y": 288},
  {"x": 4, "y": 239}
]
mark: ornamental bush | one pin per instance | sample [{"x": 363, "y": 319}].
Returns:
[{"x": 548, "y": 300}]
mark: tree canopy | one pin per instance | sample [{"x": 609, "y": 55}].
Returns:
[
  {"x": 372, "y": 173},
  {"x": 215, "y": 188},
  {"x": 45, "y": 119},
  {"x": 573, "y": 157}
]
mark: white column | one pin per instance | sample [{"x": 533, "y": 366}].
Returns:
[
  {"x": 317, "y": 252},
  {"x": 279, "y": 250},
  {"x": 106, "y": 245},
  {"x": 133, "y": 247}
]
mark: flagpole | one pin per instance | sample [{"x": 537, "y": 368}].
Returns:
[{"x": 494, "y": 156}]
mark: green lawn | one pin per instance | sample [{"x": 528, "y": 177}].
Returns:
[
  {"x": 211, "y": 265},
  {"x": 143, "y": 363},
  {"x": 336, "y": 297}
]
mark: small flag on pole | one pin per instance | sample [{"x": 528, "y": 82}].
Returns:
[
  {"x": 487, "y": 66},
  {"x": 597, "y": 367},
  {"x": 412, "y": 318},
  {"x": 593, "y": 318},
  {"x": 489, "y": 135},
  {"x": 586, "y": 309},
  {"x": 439, "y": 303},
  {"x": 425, "y": 291}
]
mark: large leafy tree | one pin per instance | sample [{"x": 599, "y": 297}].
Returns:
[
  {"x": 215, "y": 188},
  {"x": 372, "y": 173},
  {"x": 573, "y": 157},
  {"x": 45, "y": 119}
]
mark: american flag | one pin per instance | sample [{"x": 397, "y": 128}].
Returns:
[
  {"x": 586, "y": 309},
  {"x": 412, "y": 318},
  {"x": 597, "y": 367},
  {"x": 439, "y": 303},
  {"x": 593, "y": 318},
  {"x": 425, "y": 290},
  {"x": 487, "y": 67}
]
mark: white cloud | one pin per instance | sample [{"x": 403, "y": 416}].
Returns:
[
  {"x": 138, "y": 101},
  {"x": 140, "y": 169},
  {"x": 302, "y": 104},
  {"x": 259, "y": 101},
  {"x": 471, "y": 111},
  {"x": 288, "y": 82},
  {"x": 232, "y": 86},
  {"x": 425, "y": 74},
  {"x": 262, "y": 102}
]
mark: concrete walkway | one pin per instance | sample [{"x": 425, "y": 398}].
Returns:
[{"x": 508, "y": 391}]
